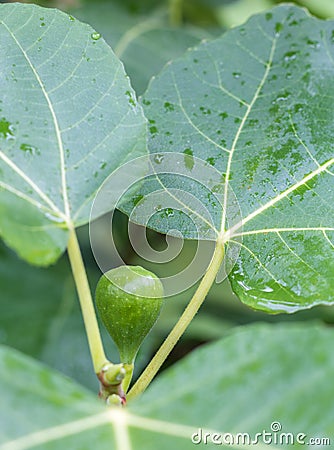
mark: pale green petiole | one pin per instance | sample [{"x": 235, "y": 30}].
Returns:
[{"x": 87, "y": 307}]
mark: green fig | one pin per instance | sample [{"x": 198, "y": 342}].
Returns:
[{"x": 129, "y": 300}]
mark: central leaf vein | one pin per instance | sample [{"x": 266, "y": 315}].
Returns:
[
  {"x": 55, "y": 123},
  {"x": 242, "y": 124}
]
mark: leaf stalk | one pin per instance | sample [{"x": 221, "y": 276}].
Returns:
[{"x": 98, "y": 356}]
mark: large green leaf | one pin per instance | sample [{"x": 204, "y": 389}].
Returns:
[
  {"x": 256, "y": 106},
  {"x": 35, "y": 398},
  {"x": 68, "y": 117},
  {"x": 254, "y": 377},
  {"x": 242, "y": 384}
]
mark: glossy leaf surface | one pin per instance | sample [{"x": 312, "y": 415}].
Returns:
[
  {"x": 255, "y": 105},
  {"x": 68, "y": 117}
]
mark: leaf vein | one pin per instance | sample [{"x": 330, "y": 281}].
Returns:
[
  {"x": 242, "y": 124},
  {"x": 31, "y": 183},
  {"x": 55, "y": 123},
  {"x": 296, "y": 255},
  {"x": 280, "y": 197},
  {"x": 191, "y": 122}
]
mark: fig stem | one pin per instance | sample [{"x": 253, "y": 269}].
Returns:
[
  {"x": 183, "y": 322},
  {"x": 128, "y": 376},
  {"x": 98, "y": 356}
]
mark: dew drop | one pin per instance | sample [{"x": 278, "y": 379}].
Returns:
[
  {"x": 267, "y": 289},
  {"x": 6, "y": 129},
  {"x": 278, "y": 28},
  {"x": 158, "y": 158},
  {"x": 29, "y": 149},
  {"x": 95, "y": 36},
  {"x": 169, "y": 106},
  {"x": 137, "y": 199},
  {"x": 223, "y": 115},
  {"x": 205, "y": 111},
  {"x": 131, "y": 99},
  {"x": 290, "y": 56},
  {"x": 211, "y": 161},
  {"x": 188, "y": 158},
  {"x": 244, "y": 285},
  {"x": 169, "y": 212},
  {"x": 298, "y": 107},
  {"x": 313, "y": 44}
]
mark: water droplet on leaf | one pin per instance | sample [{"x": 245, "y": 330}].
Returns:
[
  {"x": 95, "y": 36},
  {"x": 158, "y": 158},
  {"x": 6, "y": 129},
  {"x": 169, "y": 212},
  {"x": 29, "y": 149},
  {"x": 278, "y": 28},
  {"x": 131, "y": 99},
  {"x": 211, "y": 161},
  {"x": 188, "y": 158},
  {"x": 169, "y": 106},
  {"x": 290, "y": 56}
]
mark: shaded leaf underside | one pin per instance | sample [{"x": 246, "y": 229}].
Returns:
[
  {"x": 68, "y": 117},
  {"x": 256, "y": 105}
]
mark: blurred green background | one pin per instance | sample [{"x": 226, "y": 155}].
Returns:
[{"x": 39, "y": 311}]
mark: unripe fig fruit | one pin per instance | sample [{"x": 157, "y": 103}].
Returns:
[{"x": 129, "y": 300}]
